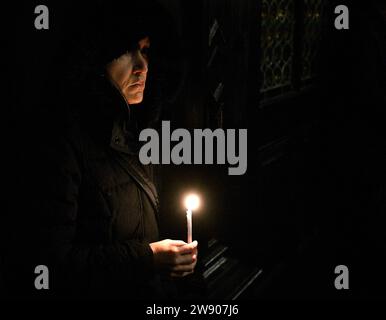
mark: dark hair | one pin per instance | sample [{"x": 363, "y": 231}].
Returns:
[{"x": 108, "y": 30}]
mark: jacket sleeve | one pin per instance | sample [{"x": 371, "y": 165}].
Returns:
[{"x": 75, "y": 266}]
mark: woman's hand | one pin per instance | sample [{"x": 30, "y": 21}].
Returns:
[{"x": 176, "y": 257}]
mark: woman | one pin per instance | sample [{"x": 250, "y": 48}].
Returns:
[{"x": 92, "y": 214}]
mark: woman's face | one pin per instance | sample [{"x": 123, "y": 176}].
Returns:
[{"x": 128, "y": 72}]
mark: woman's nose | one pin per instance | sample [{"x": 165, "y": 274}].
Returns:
[{"x": 140, "y": 63}]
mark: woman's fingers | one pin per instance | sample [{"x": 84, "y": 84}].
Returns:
[
  {"x": 188, "y": 248},
  {"x": 183, "y": 267},
  {"x": 186, "y": 254},
  {"x": 177, "y": 243},
  {"x": 174, "y": 255},
  {"x": 184, "y": 259}
]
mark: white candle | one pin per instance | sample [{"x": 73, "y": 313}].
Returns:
[
  {"x": 189, "y": 224},
  {"x": 192, "y": 202}
]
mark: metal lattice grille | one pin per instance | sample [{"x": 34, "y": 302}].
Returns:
[
  {"x": 311, "y": 38},
  {"x": 277, "y": 44}
]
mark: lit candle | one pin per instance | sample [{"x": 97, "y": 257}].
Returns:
[
  {"x": 189, "y": 224},
  {"x": 191, "y": 203}
]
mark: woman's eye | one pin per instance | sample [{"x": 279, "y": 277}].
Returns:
[{"x": 145, "y": 52}]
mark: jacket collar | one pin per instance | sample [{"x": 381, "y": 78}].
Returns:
[
  {"x": 124, "y": 138},
  {"x": 115, "y": 123}
]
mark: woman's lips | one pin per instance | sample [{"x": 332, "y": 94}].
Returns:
[{"x": 138, "y": 84}]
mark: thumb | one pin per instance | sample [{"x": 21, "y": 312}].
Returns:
[
  {"x": 188, "y": 248},
  {"x": 177, "y": 243}
]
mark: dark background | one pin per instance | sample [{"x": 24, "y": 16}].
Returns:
[{"x": 313, "y": 196}]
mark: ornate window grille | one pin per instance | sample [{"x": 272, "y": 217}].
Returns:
[
  {"x": 290, "y": 37},
  {"x": 313, "y": 11}
]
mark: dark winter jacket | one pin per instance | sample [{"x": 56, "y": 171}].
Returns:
[{"x": 91, "y": 207}]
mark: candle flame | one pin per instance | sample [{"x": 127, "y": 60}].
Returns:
[{"x": 192, "y": 202}]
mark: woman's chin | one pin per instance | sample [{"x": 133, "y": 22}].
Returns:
[{"x": 135, "y": 98}]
